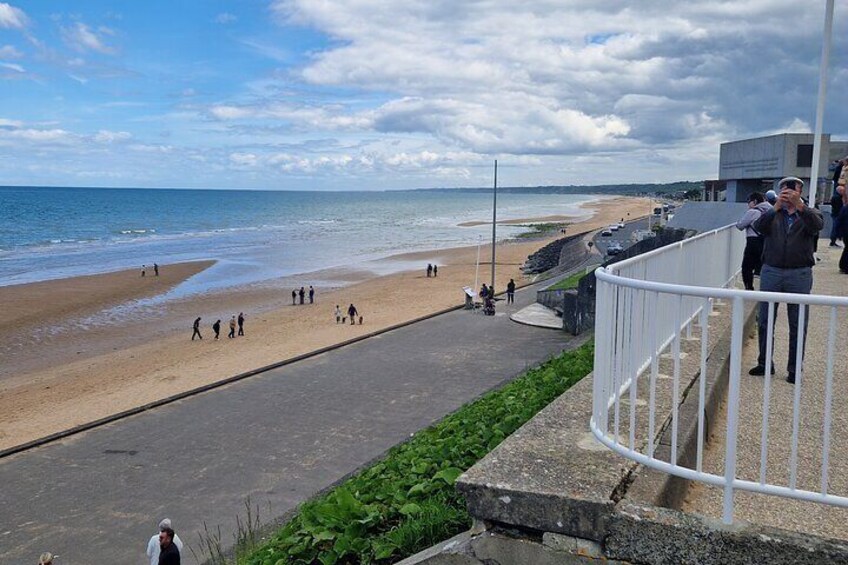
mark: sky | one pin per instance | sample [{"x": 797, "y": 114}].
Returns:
[{"x": 384, "y": 94}]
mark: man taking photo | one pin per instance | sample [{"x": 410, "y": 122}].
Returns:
[{"x": 790, "y": 231}]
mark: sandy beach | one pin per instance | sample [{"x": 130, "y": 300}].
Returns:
[{"x": 54, "y": 379}]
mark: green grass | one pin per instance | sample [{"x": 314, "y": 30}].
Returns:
[
  {"x": 540, "y": 230},
  {"x": 407, "y": 502},
  {"x": 568, "y": 283}
]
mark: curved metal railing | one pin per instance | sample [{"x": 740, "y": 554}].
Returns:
[{"x": 647, "y": 307}]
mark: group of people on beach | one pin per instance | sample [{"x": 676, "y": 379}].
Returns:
[
  {"x": 432, "y": 270},
  {"x": 155, "y": 270},
  {"x": 302, "y": 294},
  {"x": 352, "y": 315},
  {"x": 216, "y": 327}
]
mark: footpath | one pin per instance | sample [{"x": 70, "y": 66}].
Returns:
[{"x": 277, "y": 437}]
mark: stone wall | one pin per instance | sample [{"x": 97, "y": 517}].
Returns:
[{"x": 578, "y": 307}]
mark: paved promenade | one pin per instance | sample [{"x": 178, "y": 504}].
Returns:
[
  {"x": 278, "y": 437},
  {"x": 807, "y": 517}
]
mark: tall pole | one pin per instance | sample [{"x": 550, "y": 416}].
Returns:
[
  {"x": 477, "y": 268},
  {"x": 828, "y": 31},
  {"x": 494, "y": 225}
]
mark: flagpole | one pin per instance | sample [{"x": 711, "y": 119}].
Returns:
[
  {"x": 828, "y": 31},
  {"x": 495, "y": 224}
]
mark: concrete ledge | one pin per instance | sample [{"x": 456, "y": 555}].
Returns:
[
  {"x": 550, "y": 475},
  {"x": 661, "y": 536},
  {"x": 503, "y": 547}
]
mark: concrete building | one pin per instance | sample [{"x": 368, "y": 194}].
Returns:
[{"x": 758, "y": 164}]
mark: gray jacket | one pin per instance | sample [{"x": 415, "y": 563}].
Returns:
[
  {"x": 789, "y": 248},
  {"x": 752, "y": 215}
]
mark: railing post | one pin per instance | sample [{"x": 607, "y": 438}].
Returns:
[{"x": 737, "y": 327}]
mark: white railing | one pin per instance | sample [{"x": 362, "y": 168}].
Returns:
[{"x": 650, "y": 307}]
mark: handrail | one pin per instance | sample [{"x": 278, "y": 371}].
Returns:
[{"x": 646, "y": 306}]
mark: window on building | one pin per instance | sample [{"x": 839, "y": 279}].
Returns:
[{"x": 805, "y": 156}]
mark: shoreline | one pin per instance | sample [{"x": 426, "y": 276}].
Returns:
[{"x": 102, "y": 371}]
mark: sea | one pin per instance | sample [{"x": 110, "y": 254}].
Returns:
[{"x": 255, "y": 237}]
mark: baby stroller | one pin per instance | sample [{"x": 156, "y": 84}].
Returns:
[{"x": 489, "y": 306}]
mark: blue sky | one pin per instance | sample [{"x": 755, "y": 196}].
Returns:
[{"x": 375, "y": 94}]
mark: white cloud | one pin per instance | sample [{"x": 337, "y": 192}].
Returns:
[
  {"x": 13, "y": 66},
  {"x": 106, "y": 136},
  {"x": 10, "y": 123},
  {"x": 82, "y": 38},
  {"x": 225, "y": 18},
  {"x": 12, "y": 17},
  {"x": 10, "y": 52},
  {"x": 243, "y": 159}
]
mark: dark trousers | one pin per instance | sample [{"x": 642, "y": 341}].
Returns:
[
  {"x": 232, "y": 333},
  {"x": 196, "y": 332},
  {"x": 510, "y": 297},
  {"x": 752, "y": 260},
  {"x": 241, "y": 330},
  {"x": 843, "y": 259},
  {"x": 798, "y": 281},
  {"x": 834, "y": 231}
]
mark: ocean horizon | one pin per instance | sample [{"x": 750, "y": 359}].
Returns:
[{"x": 254, "y": 236}]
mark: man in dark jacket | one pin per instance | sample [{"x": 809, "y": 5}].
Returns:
[
  {"x": 790, "y": 231},
  {"x": 169, "y": 554}
]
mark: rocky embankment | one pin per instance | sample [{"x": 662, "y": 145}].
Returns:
[{"x": 548, "y": 256}]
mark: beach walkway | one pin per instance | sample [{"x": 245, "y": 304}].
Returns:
[{"x": 278, "y": 438}]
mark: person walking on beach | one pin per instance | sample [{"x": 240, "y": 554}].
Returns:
[
  {"x": 232, "y": 333},
  {"x": 294, "y": 297},
  {"x": 143, "y": 270},
  {"x": 429, "y": 270},
  {"x": 351, "y": 312},
  {"x": 216, "y": 327},
  {"x": 241, "y": 323},
  {"x": 196, "y": 331},
  {"x": 302, "y": 293},
  {"x": 338, "y": 314},
  {"x": 510, "y": 292},
  {"x": 790, "y": 231},
  {"x": 153, "y": 547},
  {"x": 156, "y": 269},
  {"x": 311, "y": 295},
  {"x": 435, "y": 270},
  {"x": 169, "y": 552}
]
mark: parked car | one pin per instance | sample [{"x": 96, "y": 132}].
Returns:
[
  {"x": 606, "y": 232},
  {"x": 614, "y": 227},
  {"x": 614, "y": 248},
  {"x": 620, "y": 225}
]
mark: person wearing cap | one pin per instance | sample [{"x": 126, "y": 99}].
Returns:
[
  {"x": 153, "y": 546},
  {"x": 752, "y": 257},
  {"x": 771, "y": 197},
  {"x": 790, "y": 231}
]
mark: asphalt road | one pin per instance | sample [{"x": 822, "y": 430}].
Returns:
[
  {"x": 625, "y": 236},
  {"x": 277, "y": 438}
]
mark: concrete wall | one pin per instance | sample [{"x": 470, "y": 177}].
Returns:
[{"x": 578, "y": 307}]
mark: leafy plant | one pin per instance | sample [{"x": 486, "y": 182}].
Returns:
[{"x": 407, "y": 501}]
